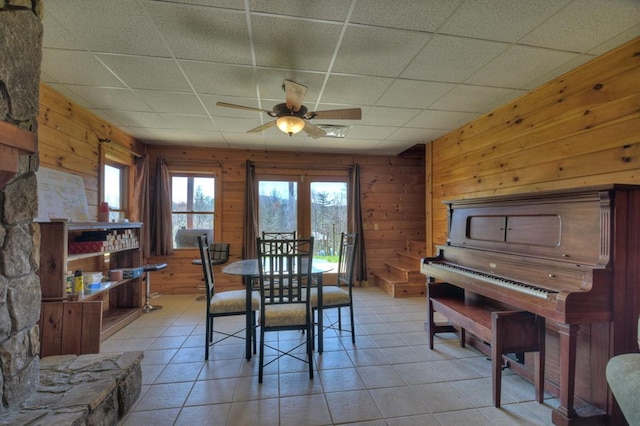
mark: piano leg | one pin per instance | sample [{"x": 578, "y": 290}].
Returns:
[{"x": 565, "y": 413}]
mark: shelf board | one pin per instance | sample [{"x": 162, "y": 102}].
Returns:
[
  {"x": 77, "y": 256},
  {"x": 115, "y": 319}
]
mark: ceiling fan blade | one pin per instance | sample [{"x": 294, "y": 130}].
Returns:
[
  {"x": 294, "y": 93},
  {"x": 248, "y": 108},
  {"x": 263, "y": 127},
  {"x": 314, "y": 131},
  {"x": 337, "y": 114}
]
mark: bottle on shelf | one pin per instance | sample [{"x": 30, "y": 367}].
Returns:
[{"x": 78, "y": 281}]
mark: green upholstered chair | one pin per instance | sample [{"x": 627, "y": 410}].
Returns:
[{"x": 623, "y": 376}]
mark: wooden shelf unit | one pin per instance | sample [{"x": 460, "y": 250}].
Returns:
[{"x": 79, "y": 326}]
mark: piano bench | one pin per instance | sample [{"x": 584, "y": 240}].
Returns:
[{"x": 505, "y": 331}]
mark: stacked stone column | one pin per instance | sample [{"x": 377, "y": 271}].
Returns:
[{"x": 20, "y": 57}]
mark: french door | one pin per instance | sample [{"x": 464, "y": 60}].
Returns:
[{"x": 312, "y": 204}]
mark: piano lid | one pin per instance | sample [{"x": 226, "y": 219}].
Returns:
[{"x": 568, "y": 226}]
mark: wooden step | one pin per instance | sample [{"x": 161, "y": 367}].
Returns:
[{"x": 396, "y": 286}]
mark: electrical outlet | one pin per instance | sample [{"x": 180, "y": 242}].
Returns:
[{"x": 375, "y": 226}]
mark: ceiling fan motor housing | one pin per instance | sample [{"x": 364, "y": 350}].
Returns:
[{"x": 282, "y": 110}]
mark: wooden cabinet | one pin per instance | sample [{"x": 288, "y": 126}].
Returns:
[{"x": 78, "y": 324}]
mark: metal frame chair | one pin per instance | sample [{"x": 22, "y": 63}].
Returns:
[
  {"x": 226, "y": 303},
  {"x": 340, "y": 295},
  {"x": 285, "y": 278}
]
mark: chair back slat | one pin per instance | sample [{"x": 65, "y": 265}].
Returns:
[
  {"x": 285, "y": 270},
  {"x": 346, "y": 259},
  {"x": 207, "y": 270}
]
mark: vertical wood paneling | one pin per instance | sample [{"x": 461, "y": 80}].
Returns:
[{"x": 393, "y": 195}]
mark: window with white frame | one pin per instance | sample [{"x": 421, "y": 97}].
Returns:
[{"x": 193, "y": 200}]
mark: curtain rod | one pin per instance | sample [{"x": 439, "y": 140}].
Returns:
[{"x": 303, "y": 167}]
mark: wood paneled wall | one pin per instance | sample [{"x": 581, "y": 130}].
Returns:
[
  {"x": 580, "y": 129},
  {"x": 392, "y": 187}
]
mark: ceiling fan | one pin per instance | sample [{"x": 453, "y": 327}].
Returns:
[{"x": 291, "y": 116}]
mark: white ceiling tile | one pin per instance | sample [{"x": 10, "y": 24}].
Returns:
[
  {"x": 194, "y": 122},
  {"x": 413, "y": 94},
  {"x": 237, "y": 125},
  {"x": 67, "y": 91},
  {"x": 220, "y": 79},
  {"x": 86, "y": 69},
  {"x": 519, "y": 65},
  {"x": 584, "y": 24},
  {"x": 501, "y": 20},
  {"x": 166, "y": 73},
  {"x": 116, "y": 26},
  {"x": 432, "y": 119},
  {"x": 616, "y": 41},
  {"x": 353, "y": 90},
  {"x": 295, "y": 45},
  {"x": 227, "y": 4},
  {"x": 202, "y": 33},
  {"x": 172, "y": 102},
  {"x": 363, "y": 47},
  {"x": 332, "y": 10},
  {"x": 138, "y": 68},
  {"x": 412, "y": 135},
  {"x": 562, "y": 69},
  {"x": 136, "y": 119},
  {"x": 159, "y": 136},
  {"x": 453, "y": 59},
  {"x": 466, "y": 98},
  {"x": 384, "y": 116},
  {"x": 111, "y": 98},
  {"x": 371, "y": 132},
  {"x": 203, "y": 137},
  {"x": 418, "y": 15},
  {"x": 57, "y": 36}
]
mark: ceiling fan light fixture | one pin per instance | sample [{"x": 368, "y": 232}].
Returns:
[{"x": 290, "y": 124}]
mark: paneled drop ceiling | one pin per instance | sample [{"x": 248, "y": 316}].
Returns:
[{"x": 417, "y": 68}]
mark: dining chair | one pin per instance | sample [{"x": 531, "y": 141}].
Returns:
[
  {"x": 285, "y": 277},
  {"x": 225, "y": 303},
  {"x": 279, "y": 235},
  {"x": 340, "y": 294}
]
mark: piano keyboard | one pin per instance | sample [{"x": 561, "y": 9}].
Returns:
[{"x": 501, "y": 282}]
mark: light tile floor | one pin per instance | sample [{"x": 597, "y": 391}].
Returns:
[{"x": 389, "y": 377}]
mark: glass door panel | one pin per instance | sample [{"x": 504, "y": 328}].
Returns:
[
  {"x": 328, "y": 218},
  {"x": 277, "y": 206}
]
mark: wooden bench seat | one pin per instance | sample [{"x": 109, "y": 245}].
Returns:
[{"x": 504, "y": 331}]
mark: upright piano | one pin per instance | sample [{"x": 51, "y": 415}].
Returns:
[{"x": 570, "y": 256}]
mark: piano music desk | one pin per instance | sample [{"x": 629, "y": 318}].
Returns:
[{"x": 505, "y": 331}]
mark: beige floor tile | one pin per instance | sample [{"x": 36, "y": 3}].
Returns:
[
  {"x": 352, "y": 406},
  {"x": 389, "y": 377},
  {"x": 306, "y": 410}
]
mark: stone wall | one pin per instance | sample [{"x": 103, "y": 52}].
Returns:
[{"x": 20, "y": 57}]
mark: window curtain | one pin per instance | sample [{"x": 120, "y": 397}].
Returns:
[
  {"x": 140, "y": 208},
  {"x": 161, "y": 233},
  {"x": 354, "y": 221},
  {"x": 250, "y": 220}
]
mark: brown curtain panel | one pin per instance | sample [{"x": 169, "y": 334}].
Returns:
[
  {"x": 354, "y": 221},
  {"x": 161, "y": 235},
  {"x": 140, "y": 208},
  {"x": 250, "y": 222}
]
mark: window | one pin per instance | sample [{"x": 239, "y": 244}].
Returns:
[
  {"x": 311, "y": 205},
  {"x": 115, "y": 190},
  {"x": 192, "y": 208}
]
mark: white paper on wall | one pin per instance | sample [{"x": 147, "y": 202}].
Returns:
[{"x": 61, "y": 196}]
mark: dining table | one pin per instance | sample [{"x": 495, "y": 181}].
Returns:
[{"x": 250, "y": 271}]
